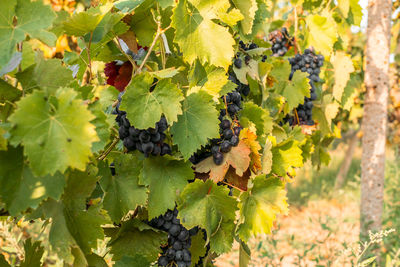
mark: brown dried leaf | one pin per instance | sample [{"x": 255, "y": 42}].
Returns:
[{"x": 236, "y": 180}]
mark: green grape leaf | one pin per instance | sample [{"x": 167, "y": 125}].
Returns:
[
  {"x": 72, "y": 225},
  {"x": 207, "y": 205},
  {"x": 194, "y": 28},
  {"x": 197, "y": 248},
  {"x": 207, "y": 78},
  {"x": 260, "y": 205},
  {"x": 19, "y": 188},
  {"x": 28, "y": 56},
  {"x": 27, "y": 23},
  {"x": 144, "y": 108},
  {"x": 102, "y": 126},
  {"x": 322, "y": 33},
  {"x": 248, "y": 8},
  {"x": 166, "y": 178},
  {"x": 128, "y": 5},
  {"x": 131, "y": 240},
  {"x": 286, "y": 155},
  {"x": 342, "y": 67},
  {"x": 266, "y": 163},
  {"x": 122, "y": 192},
  {"x": 8, "y": 92},
  {"x": 197, "y": 124},
  {"x": 132, "y": 261},
  {"x": 79, "y": 24},
  {"x": 221, "y": 241},
  {"x": 257, "y": 115},
  {"x": 45, "y": 71},
  {"x": 281, "y": 69},
  {"x": 56, "y": 132},
  {"x": 33, "y": 254},
  {"x": 296, "y": 89}
]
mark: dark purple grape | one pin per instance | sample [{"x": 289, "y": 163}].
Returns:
[
  {"x": 218, "y": 158},
  {"x": 226, "y": 146},
  {"x": 238, "y": 63}
]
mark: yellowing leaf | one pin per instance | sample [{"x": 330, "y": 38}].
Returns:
[
  {"x": 238, "y": 158},
  {"x": 260, "y": 205},
  {"x": 322, "y": 33},
  {"x": 194, "y": 30},
  {"x": 342, "y": 66},
  {"x": 248, "y": 8},
  {"x": 250, "y": 139}
]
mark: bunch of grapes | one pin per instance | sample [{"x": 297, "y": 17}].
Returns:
[
  {"x": 245, "y": 47},
  {"x": 311, "y": 63},
  {"x": 176, "y": 252},
  {"x": 148, "y": 141},
  {"x": 281, "y": 42}
]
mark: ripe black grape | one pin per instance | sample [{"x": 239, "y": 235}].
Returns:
[
  {"x": 176, "y": 253},
  {"x": 281, "y": 42},
  {"x": 310, "y": 63}
]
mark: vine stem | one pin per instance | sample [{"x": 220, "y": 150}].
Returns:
[
  {"x": 237, "y": 188},
  {"x": 109, "y": 149},
  {"x": 158, "y": 34},
  {"x": 296, "y": 26},
  {"x": 89, "y": 57}
]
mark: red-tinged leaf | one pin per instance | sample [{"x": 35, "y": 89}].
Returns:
[
  {"x": 238, "y": 158},
  {"x": 124, "y": 76},
  {"x": 111, "y": 72},
  {"x": 236, "y": 180}
]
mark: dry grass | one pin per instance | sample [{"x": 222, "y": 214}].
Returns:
[{"x": 309, "y": 236}]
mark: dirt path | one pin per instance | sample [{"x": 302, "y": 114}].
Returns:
[{"x": 310, "y": 236}]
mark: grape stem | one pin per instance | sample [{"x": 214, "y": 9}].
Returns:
[
  {"x": 237, "y": 188},
  {"x": 89, "y": 57},
  {"x": 297, "y": 116},
  {"x": 296, "y": 45},
  {"x": 109, "y": 149}
]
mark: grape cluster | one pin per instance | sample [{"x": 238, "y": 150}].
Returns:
[
  {"x": 245, "y": 47},
  {"x": 281, "y": 42},
  {"x": 311, "y": 63},
  {"x": 148, "y": 141},
  {"x": 229, "y": 138},
  {"x": 176, "y": 253}
]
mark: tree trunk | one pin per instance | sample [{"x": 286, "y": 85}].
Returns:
[
  {"x": 374, "y": 122},
  {"x": 348, "y": 158}
]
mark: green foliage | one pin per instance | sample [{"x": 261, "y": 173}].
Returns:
[{"x": 58, "y": 136}]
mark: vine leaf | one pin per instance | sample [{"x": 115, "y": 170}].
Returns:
[
  {"x": 248, "y": 8},
  {"x": 33, "y": 254},
  {"x": 102, "y": 126},
  {"x": 209, "y": 206},
  {"x": 197, "y": 124},
  {"x": 19, "y": 188},
  {"x": 132, "y": 261},
  {"x": 122, "y": 192},
  {"x": 144, "y": 108},
  {"x": 166, "y": 178},
  {"x": 127, "y": 5},
  {"x": 285, "y": 156},
  {"x": 192, "y": 21},
  {"x": 296, "y": 89},
  {"x": 72, "y": 226},
  {"x": 238, "y": 158},
  {"x": 322, "y": 33},
  {"x": 342, "y": 66},
  {"x": 79, "y": 24},
  {"x": 27, "y": 23},
  {"x": 135, "y": 238},
  {"x": 260, "y": 205},
  {"x": 56, "y": 132},
  {"x": 257, "y": 115},
  {"x": 207, "y": 78},
  {"x": 198, "y": 247},
  {"x": 236, "y": 180}
]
